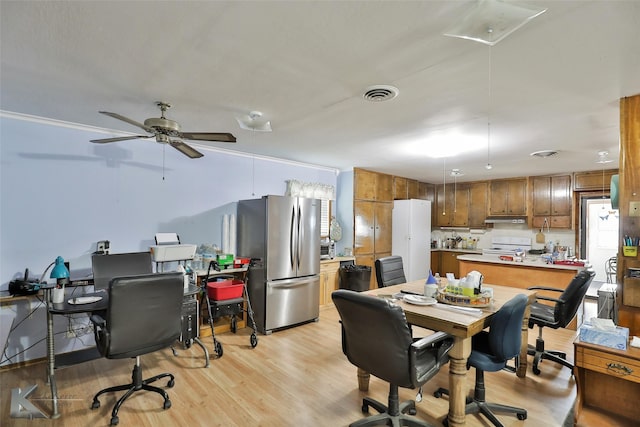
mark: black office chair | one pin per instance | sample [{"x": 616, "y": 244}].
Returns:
[
  {"x": 377, "y": 339},
  {"x": 557, "y": 316},
  {"x": 389, "y": 271},
  {"x": 490, "y": 352},
  {"x": 143, "y": 316}
]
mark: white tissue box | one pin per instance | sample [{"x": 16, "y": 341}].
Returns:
[{"x": 615, "y": 338}]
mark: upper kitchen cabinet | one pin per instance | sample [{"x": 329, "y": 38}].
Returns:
[
  {"x": 594, "y": 180},
  {"x": 374, "y": 186},
  {"x": 478, "y": 201},
  {"x": 413, "y": 189},
  {"x": 551, "y": 197},
  {"x": 399, "y": 188},
  {"x": 452, "y": 205},
  {"x": 508, "y": 197}
]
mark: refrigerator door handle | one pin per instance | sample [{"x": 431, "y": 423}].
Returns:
[
  {"x": 292, "y": 239},
  {"x": 299, "y": 239}
]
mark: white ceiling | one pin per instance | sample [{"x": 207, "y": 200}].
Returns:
[{"x": 553, "y": 84}]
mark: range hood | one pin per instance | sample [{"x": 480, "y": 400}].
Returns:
[{"x": 506, "y": 220}]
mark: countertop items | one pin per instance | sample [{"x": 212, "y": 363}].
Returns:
[{"x": 526, "y": 262}]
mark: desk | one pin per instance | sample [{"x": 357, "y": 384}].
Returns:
[
  {"x": 190, "y": 329},
  {"x": 462, "y": 327},
  {"x": 63, "y": 308}
]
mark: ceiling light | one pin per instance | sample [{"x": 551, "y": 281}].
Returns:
[
  {"x": 456, "y": 172},
  {"x": 544, "y": 153},
  {"x": 603, "y": 157},
  {"x": 493, "y": 20},
  {"x": 254, "y": 122},
  {"x": 379, "y": 93}
]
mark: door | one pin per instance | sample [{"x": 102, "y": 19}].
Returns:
[
  {"x": 308, "y": 243},
  {"x": 599, "y": 236},
  {"x": 292, "y": 301},
  {"x": 281, "y": 229}
]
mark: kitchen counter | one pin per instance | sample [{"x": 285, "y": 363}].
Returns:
[
  {"x": 530, "y": 261},
  {"x": 532, "y": 271},
  {"x": 338, "y": 259},
  {"x": 464, "y": 251}
]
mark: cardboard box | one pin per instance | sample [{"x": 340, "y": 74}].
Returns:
[{"x": 615, "y": 338}]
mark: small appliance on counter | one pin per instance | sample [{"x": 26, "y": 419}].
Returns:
[{"x": 327, "y": 249}]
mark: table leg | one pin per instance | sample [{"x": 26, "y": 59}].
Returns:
[
  {"x": 51, "y": 356},
  {"x": 458, "y": 380},
  {"x": 521, "y": 369},
  {"x": 363, "y": 380}
]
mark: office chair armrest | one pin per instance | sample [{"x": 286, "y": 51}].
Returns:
[
  {"x": 98, "y": 320},
  {"x": 440, "y": 340},
  {"x": 545, "y": 288},
  {"x": 556, "y": 300}
]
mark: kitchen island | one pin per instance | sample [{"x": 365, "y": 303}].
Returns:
[{"x": 531, "y": 271}]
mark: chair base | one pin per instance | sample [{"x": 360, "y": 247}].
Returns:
[
  {"x": 395, "y": 415},
  {"x": 539, "y": 354},
  {"x": 477, "y": 405},
  {"x": 137, "y": 383}
]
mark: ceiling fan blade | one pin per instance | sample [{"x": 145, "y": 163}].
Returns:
[
  {"x": 128, "y": 120},
  {"x": 119, "y": 138},
  {"x": 209, "y": 136},
  {"x": 185, "y": 149}
]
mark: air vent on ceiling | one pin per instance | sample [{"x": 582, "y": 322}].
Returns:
[
  {"x": 544, "y": 153},
  {"x": 380, "y": 93}
]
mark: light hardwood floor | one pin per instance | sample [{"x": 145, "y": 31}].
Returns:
[{"x": 296, "y": 377}]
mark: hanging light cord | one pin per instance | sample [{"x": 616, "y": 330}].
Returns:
[
  {"x": 488, "y": 165},
  {"x": 444, "y": 186}
]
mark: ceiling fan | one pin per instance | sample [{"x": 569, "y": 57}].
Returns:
[{"x": 164, "y": 130}]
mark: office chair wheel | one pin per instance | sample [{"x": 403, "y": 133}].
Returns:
[
  {"x": 167, "y": 404},
  {"x": 365, "y": 408},
  {"x": 115, "y": 420},
  {"x": 522, "y": 416},
  {"x": 412, "y": 411},
  {"x": 171, "y": 383},
  {"x": 254, "y": 340},
  {"x": 437, "y": 394},
  {"x": 219, "y": 349},
  {"x": 95, "y": 404}
]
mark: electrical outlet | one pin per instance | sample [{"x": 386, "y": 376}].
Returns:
[{"x": 634, "y": 208}]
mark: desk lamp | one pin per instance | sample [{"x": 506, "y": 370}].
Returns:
[{"x": 60, "y": 273}]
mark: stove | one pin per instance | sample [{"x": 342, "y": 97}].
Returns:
[{"x": 507, "y": 245}]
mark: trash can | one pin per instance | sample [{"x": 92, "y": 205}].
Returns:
[{"x": 355, "y": 277}]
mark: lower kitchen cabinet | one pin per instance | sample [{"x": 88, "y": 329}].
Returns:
[
  {"x": 444, "y": 262},
  {"x": 329, "y": 280}
]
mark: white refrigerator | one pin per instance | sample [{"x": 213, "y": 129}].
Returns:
[{"x": 411, "y": 236}]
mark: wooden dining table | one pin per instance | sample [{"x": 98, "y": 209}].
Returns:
[{"x": 462, "y": 326}]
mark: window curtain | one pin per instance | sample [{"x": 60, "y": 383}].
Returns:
[{"x": 312, "y": 190}]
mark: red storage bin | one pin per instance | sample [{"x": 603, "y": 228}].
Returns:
[{"x": 225, "y": 289}]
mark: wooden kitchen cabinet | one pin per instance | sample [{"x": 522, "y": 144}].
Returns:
[
  {"x": 508, "y": 197},
  {"x": 372, "y": 227},
  {"x": 552, "y": 199},
  {"x": 399, "y": 188},
  {"x": 478, "y": 201},
  {"x": 435, "y": 262},
  {"x": 449, "y": 263},
  {"x": 413, "y": 189},
  {"x": 453, "y": 205},
  {"x": 593, "y": 180},
  {"x": 374, "y": 186},
  {"x": 329, "y": 280}
]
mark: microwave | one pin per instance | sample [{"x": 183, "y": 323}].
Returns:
[{"x": 327, "y": 249}]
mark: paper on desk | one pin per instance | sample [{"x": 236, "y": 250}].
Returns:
[
  {"x": 467, "y": 310},
  {"x": 635, "y": 342}
]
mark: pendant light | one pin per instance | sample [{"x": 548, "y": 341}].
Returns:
[
  {"x": 603, "y": 159},
  {"x": 489, "y": 166},
  {"x": 444, "y": 186}
]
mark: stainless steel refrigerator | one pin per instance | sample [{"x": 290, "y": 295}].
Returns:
[{"x": 284, "y": 234}]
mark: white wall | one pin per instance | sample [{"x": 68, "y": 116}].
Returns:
[{"x": 60, "y": 194}]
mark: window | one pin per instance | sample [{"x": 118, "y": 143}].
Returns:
[{"x": 325, "y": 217}]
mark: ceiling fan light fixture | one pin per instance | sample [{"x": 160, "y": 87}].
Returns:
[
  {"x": 493, "y": 20},
  {"x": 544, "y": 153},
  {"x": 254, "y": 122}
]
